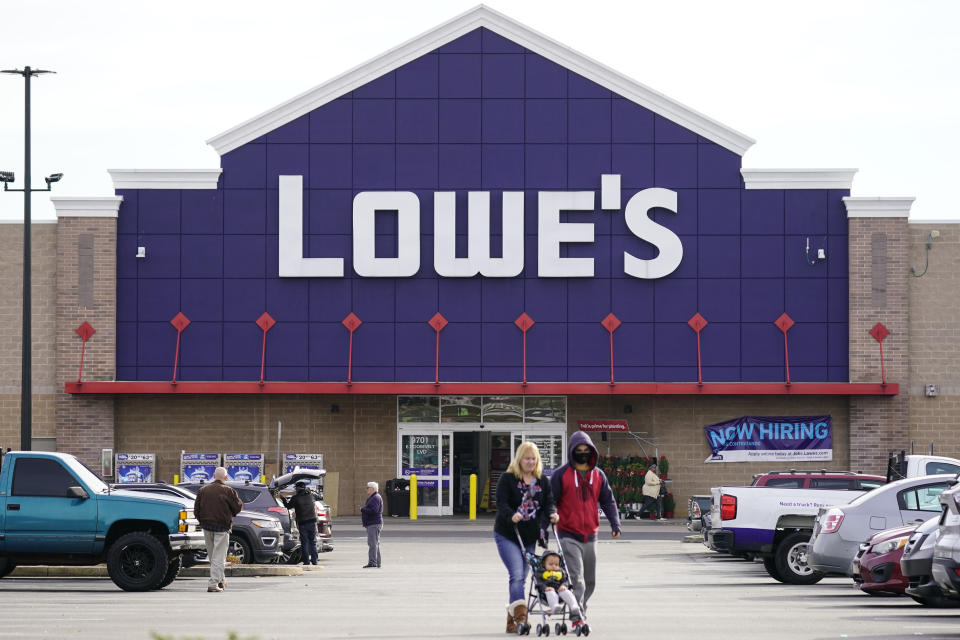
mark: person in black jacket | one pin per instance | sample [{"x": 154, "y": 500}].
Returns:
[
  {"x": 303, "y": 503},
  {"x": 524, "y": 506}
]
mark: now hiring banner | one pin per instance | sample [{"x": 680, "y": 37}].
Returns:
[{"x": 781, "y": 438}]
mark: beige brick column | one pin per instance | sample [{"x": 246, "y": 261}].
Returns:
[
  {"x": 878, "y": 248},
  {"x": 86, "y": 291}
]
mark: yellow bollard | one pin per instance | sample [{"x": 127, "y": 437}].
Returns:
[
  {"x": 473, "y": 496},
  {"x": 413, "y": 496},
  {"x": 176, "y": 478}
]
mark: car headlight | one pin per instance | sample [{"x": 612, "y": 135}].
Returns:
[
  {"x": 889, "y": 545},
  {"x": 266, "y": 524}
]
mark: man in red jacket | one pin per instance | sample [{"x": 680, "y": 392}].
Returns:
[{"x": 578, "y": 488}]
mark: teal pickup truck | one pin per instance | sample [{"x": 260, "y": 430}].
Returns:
[{"x": 56, "y": 511}]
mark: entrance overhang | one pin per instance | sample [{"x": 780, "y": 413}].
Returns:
[{"x": 491, "y": 388}]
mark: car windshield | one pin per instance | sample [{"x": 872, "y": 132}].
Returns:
[{"x": 89, "y": 478}]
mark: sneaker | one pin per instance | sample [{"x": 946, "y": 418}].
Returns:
[
  {"x": 222, "y": 584},
  {"x": 577, "y": 624},
  {"x": 369, "y": 566},
  {"x": 214, "y": 589}
]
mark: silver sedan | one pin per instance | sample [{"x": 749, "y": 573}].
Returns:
[{"x": 838, "y": 531}]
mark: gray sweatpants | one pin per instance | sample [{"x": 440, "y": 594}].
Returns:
[
  {"x": 216, "y": 543},
  {"x": 373, "y": 544},
  {"x": 581, "y": 560}
]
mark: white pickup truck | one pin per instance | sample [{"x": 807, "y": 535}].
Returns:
[{"x": 776, "y": 523}]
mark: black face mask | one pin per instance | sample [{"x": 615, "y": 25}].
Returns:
[{"x": 581, "y": 457}]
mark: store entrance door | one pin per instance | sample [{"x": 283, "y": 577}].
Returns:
[{"x": 427, "y": 454}]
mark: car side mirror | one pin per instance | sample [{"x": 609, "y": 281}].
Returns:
[{"x": 77, "y": 492}]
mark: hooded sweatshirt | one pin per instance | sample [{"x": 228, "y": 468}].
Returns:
[{"x": 577, "y": 494}]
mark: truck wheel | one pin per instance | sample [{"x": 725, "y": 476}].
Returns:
[
  {"x": 137, "y": 561},
  {"x": 770, "y": 564},
  {"x": 790, "y": 557},
  {"x": 173, "y": 570},
  {"x": 6, "y": 566},
  {"x": 238, "y": 551}
]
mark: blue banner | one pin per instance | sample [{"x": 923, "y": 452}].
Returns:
[{"x": 758, "y": 438}]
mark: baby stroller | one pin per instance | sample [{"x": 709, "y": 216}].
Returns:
[{"x": 537, "y": 600}]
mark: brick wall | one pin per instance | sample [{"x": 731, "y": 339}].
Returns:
[
  {"x": 359, "y": 441},
  {"x": 675, "y": 424},
  {"x": 935, "y": 339},
  {"x": 85, "y": 423},
  {"x": 878, "y": 293},
  {"x": 43, "y": 242}
]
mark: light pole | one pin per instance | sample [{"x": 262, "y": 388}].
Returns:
[{"x": 26, "y": 347}]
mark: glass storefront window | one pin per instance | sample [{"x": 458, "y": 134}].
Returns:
[
  {"x": 545, "y": 409},
  {"x": 420, "y": 454},
  {"x": 500, "y": 409},
  {"x": 551, "y": 450},
  {"x": 460, "y": 409},
  {"x": 418, "y": 409}
]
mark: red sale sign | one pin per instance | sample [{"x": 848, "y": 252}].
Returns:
[{"x": 602, "y": 425}]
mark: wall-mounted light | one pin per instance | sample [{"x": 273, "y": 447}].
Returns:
[
  {"x": 821, "y": 253},
  {"x": 930, "y": 390},
  {"x": 141, "y": 252},
  {"x": 926, "y": 264}
]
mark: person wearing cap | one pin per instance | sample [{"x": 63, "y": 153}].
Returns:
[
  {"x": 651, "y": 490},
  {"x": 371, "y": 517},
  {"x": 303, "y": 503}
]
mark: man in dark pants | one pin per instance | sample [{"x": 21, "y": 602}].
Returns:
[
  {"x": 303, "y": 503},
  {"x": 371, "y": 517}
]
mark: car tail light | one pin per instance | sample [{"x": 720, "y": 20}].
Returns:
[
  {"x": 957, "y": 571},
  {"x": 278, "y": 509},
  {"x": 728, "y": 507},
  {"x": 831, "y": 521}
]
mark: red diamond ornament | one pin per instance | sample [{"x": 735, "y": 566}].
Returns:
[
  {"x": 351, "y": 322},
  {"x": 85, "y": 331},
  {"x": 784, "y": 322},
  {"x": 611, "y": 322},
  {"x": 180, "y": 321},
  {"x": 879, "y": 332},
  {"x": 266, "y": 321},
  {"x": 524, "y": 322},
  {"x": 438, "y": 322},
  {"x": 697, "y": 322}
]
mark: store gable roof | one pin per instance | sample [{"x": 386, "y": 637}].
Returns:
[{"x": 481, "y": 17}]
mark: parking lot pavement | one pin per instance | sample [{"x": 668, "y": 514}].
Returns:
[{"x": 443, "y": 579}]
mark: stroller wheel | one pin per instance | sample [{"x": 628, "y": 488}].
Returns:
[
  {"x": 586, "y": 629},
  {"x": 563, "y": 628},
  {"x": 576, "y": 631},
  {"x": 546, "y": 629},
  {"x": 557, "y": 628}
]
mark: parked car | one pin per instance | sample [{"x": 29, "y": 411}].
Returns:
[
  {"x": 916, "y": 565},
  {"x": 265, "y": 499},
  {"x": 255, "y": 537},
  {"x": 839, "y": 530},
  {"x": 946, "y": 551},
  {"x": 697, "y": 506},
  {"x": 876, "y": 567},
  {"x": 820, "y": 479}
]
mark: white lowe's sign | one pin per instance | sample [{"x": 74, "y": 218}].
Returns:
[{"x": 551, "y": 234}]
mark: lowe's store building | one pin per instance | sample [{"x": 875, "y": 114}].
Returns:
[{"x": 483, "y": 237}]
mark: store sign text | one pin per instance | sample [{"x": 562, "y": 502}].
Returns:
[{"x": 552, "y": 234}]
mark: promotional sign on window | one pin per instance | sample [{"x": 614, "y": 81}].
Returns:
[
  {"x": 135, "y": 467},
  {"x": 198, "y": 467},
  {"x": 760, "y": 438},
  {"x": 420, "y": 456},
  {"x": 243, "y": 467}
]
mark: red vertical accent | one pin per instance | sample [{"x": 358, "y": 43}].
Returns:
[
  {"x": 438, "y": 322},
  {"x": 697, "y": 323},
  {"x": 265, "y": 322},
  {"x": 524, "y": 322},
  {"x": 879, "y": 333},
  {"x": 179, "y": 322},
  {"x": 784, "y": 322},
  {"x": 610, "y": 323},
  {"x": 351, "y": 322},
  {"x": 85, "y": 331}
]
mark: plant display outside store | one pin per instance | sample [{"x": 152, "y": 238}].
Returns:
[{"x": 625, "y": 475}]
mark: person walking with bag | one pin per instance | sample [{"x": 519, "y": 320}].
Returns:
[
  {"x": 524, "y": 506},
  {"x": 371, "y": 517},
  {"x": 215, "y": 506},
  {"x": 579, "y": 488}
]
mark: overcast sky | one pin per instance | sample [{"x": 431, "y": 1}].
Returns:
[{"x": 828, "y": 84}]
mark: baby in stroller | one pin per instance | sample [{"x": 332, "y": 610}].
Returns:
[{"x": 553, "y": 585}]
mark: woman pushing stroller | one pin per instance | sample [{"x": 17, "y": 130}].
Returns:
[{"x": 524, "y": 508}]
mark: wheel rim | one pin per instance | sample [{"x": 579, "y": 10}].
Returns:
[
  {"x": 235, "y": 550},
  {"x": 797, "y": 559},
  {"x": 136, "y": 561}
]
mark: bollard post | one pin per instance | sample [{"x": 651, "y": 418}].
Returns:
[
  {"x": 176, "y": 478},
  {"x": 473, "y": 496},
  {"x": 413, "y": 496}
]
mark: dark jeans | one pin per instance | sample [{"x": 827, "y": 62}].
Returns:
[
  {"x": 647, "y": 505},
  {"x": 308, "y": 541}
]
